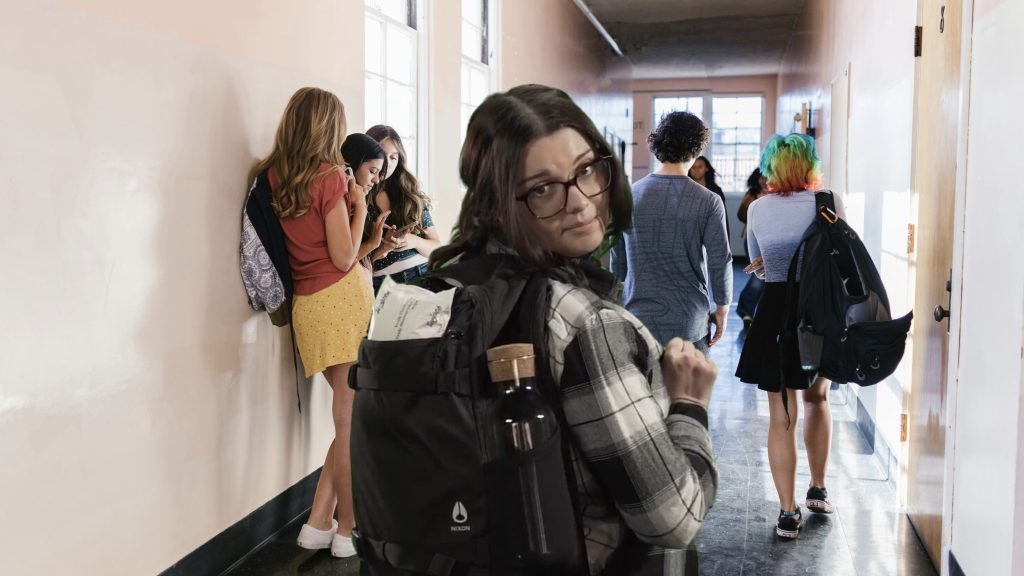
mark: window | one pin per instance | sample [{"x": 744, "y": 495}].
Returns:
[
  {"x": 735, "y": 122},
  {"x": 476, "y": 57},
  {"x": 735, "y": 139},
  {"x": 665, "y": 104},
  {"x": 391, "y": 56}
]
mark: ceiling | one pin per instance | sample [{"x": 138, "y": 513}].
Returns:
[{"x": 700, "y": 38}]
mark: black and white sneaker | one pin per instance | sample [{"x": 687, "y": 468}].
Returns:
[
  {"x": 789, "y": 524},
  {"x": 817, "y": 500}
]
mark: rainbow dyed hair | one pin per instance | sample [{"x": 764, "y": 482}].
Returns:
[{"x": 791, "y": 164}]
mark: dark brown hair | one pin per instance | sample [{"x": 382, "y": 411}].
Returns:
[
  {"x": 499, "y": 133},
  {"x": 403, "y": 189},
  {"x": 679, "y": 137}
]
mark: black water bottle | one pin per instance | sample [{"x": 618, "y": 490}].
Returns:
[{"x": 522, "y": 422}]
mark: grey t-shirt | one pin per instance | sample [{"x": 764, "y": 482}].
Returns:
[
  {"x": 775, "y": 225},
  {"x": 661, "y": 261}
]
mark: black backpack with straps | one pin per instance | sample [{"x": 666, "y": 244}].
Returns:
[
  {"x": 430, "y": 495},
  {"x": 844, "y": 329}
]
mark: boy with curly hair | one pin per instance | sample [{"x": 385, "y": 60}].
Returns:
[{"x": 675, "y": 222}]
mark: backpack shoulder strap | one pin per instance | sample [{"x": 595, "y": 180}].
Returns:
[
  {"x": 534, "y": 305},
  {"x": 825, "y": 201}
]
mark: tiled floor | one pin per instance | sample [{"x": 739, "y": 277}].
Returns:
[{"x": 866, "y": 536}]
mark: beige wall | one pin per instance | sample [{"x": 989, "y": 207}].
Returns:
[
  {"x": 551, "y": 42},
  {"x": 875, "y": 38},
  {"x": 144, "y": 408},
  {"x": 443, "y": 115}
]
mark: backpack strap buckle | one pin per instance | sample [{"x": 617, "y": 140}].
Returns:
[{"x": 829, "y": 216}]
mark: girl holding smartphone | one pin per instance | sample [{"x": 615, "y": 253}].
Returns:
[{"x": 402, "y": 254}]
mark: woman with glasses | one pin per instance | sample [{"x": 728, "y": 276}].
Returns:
[
  {"x": 542, "y": 184},
  {"x": 661, "y": 260},
  {"x": 403, "y": 254}
]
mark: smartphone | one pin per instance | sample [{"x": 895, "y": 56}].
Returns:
[{"x": 403, "y": 229}]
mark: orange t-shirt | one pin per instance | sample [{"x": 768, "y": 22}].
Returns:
[{"x": 306, "y": 235}]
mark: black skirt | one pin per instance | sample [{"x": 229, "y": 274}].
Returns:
[{"x": 760, "y": 362}]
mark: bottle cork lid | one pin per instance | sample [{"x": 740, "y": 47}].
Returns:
[{"x": 504, "y": 362}]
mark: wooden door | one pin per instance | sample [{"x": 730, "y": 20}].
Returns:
[{"x": 937, "y": 99}]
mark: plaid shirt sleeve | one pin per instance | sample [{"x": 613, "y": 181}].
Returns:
[{"x": 657, "y": 467}]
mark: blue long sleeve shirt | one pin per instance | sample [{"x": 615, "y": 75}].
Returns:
[{"x": 661, "y": 261}]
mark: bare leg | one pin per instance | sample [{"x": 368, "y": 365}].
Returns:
[
  {"x": 817, "y": 429},
  {"x": 325, "y": 498},
  {"x": 782, "y": 447},
  {"x": 342, "y": 411},
  {"x": 322, "y": 512}
]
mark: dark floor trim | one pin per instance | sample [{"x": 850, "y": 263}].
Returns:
[
  {"x": 954, "y": 566},
  {"x": 232, "y": 546}
]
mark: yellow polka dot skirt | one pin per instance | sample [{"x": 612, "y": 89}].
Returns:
[{"x": 330, "y": 324}]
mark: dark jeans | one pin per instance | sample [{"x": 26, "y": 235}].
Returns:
[
  {"x": 401, "y": 277},
  {"x": 749, "y": 297}
]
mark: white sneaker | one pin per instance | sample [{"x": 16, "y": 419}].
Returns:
[
  {"x": 312, "y": 539},
  {"x": 341, "y": 547}
]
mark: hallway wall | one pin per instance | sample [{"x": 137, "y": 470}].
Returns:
[
  {"x": 144, "y": 407},
  {"x": 875, "y": 38},
  {"x": 553, "y": 43},
  {"x": 987, "y": 468}
]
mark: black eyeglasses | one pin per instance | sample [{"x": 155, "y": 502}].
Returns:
[{"x": 549, "y": 199}]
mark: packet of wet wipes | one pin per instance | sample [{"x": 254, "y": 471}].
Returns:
[{"x": 405, "y": 312}]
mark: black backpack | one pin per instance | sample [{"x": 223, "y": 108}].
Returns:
[
  {"x": 430, "y": 498},
  {"x": 844, "y": 330}
]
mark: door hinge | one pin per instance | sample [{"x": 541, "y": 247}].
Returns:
[
  {"x": 910, "y": 238},
  {"x": 903, "y": 426},
  {"x": 918, "y": 39}
]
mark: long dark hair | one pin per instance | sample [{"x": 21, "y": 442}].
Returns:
[
  {"x": 359, "y": 148},
  {"x": 403, "y": 189},
  {"x": 709, "y": 176},
  {"x": 499, "y": 134},
  {"x": 754, "y": 182}
]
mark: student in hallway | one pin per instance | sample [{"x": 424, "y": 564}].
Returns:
[
  {"x": 704, "y": 173},
  {"x": 403, "y": 255},
  {"x": 775, "y": 224},
  {"x": 368, "y": 162},
  {"x": 661, "y": 259},
  {"x": 751, "y": 293},
  {"x": 543, "y": 185},
  {"x": 323, "y": 214}
]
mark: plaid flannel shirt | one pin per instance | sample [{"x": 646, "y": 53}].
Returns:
[{"x": 639, "y": 467}]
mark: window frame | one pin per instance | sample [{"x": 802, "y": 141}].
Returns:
[
  {"x": 710, "y": 151},
  {"x": 486, "y": 64},
  {"x": 412, "y": 29}
]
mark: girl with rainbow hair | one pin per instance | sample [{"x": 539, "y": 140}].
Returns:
[{"x": 775, "y": 225}]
